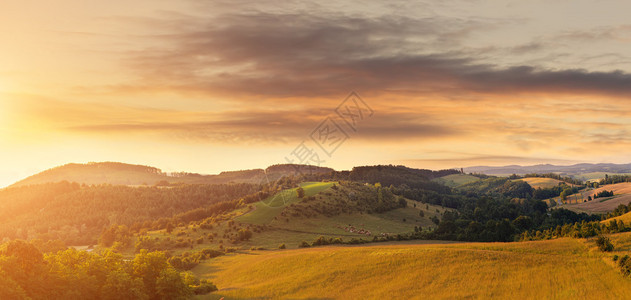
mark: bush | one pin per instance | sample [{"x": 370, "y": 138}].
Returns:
[
  {"x": 604, "y": 244},
  {"x": 282, "y": 246},
  {"x": 625, "y": 265},
  {"x": 210, "y": 253},
  {"x": 244, "y": 234},
  {"x": 304, "y": 245},
  {"x": 204, "y": 288}
]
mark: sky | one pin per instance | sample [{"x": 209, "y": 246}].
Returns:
[{"x": 207, "y": 86}]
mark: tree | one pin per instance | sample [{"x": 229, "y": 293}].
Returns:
[
  {"x": 522, "y": 223},
  {"x": 244, "y": 234},
  {"x": 604, "y": 244},
  {"x": 402, "y": 202},
  {"x": 170, "y": 227},
  {"x": 300, "y": 192},
  {"x": 120, "y": 285},
  {"x": 169, "y": 285},
  {"x": 9, "y": 289},
  {"x": 148, "y": 266}
]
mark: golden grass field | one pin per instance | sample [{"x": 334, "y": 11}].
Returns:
[
  {"x": 540, "y": 182},
  {"x": 626, "y": 218},
  {"x": 456, "y": 180},
  {"x": 555, "y": 269},
  {"x": 622, "y": 195}
]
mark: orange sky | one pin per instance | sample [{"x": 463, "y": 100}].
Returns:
[{"x": 206, "y": 86}]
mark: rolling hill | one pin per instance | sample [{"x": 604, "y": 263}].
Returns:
[
  {"x": 622, "y": 195},
  {"x": 126, "y": 174},
  {"x": 329, "y": 209},
  {"x": 555, "y": 269},
  {"x": 456, "y": 180},
  {"x": 576, "y": 169},
  {"x": 542, "y": 182}
]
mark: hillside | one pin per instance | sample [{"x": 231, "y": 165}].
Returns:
[
  {"x": 554, "y": 269},
  {"x": 332, "y": 210},
  {"x": 456, "y": 180},
  {"x": 78, "y": 214},
  {"x": 622, "y": 195},
  {"x": 576, "y": 169},
  {"x": 542, "y": 182},
  {"x": 126, "y": 174}
]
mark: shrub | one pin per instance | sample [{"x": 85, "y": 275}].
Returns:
[
  {"x": 304, "y": 244},
  {"x": 204, "y": 288},
  {"x": 604, "y": 244},
  {"x": 282, "y": 246},
  {"x": 210, "y": 253}
]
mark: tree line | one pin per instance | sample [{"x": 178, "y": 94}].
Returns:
[
  {"x": 77, "y": 214},
  {"x": 28, "y": 273}
]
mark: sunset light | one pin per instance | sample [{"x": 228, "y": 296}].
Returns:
[{"x": 189, "y": 133}]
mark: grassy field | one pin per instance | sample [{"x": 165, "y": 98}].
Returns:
[
  {"x": 556, "y": 269},
  {"x": 265, "y": 210},
  {"x": 540, "y": 182},
  {"x": 456, "y": 180},
  {"x": 296, "y": 230},
  {"x": 626, "y": 218},
  {"x": 622, "y": 195}
]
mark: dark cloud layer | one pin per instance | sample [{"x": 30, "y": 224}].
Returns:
[
  {"x": 280, "y": 126},
  {"x": 302, "y": 55}
]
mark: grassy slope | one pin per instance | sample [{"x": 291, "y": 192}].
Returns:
[
  {"x": 622, "y": 195},
  {"x": 556, "y": 269},
  {"x": 540, "y": 182},
  {"x": 456, "y": 180},
  {"x": 308, "y": 229},
  {"x": 626, "y": 218},
  {"x": 291, "y": 231},
  {"x": 265, "y": 210}
]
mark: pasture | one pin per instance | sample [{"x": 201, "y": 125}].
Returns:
[{"x": 554, "y": 269}]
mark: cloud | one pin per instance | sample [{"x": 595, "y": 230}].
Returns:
[
  {"x": 256, "y": 127},
  {"x": 308, "y": 55}
]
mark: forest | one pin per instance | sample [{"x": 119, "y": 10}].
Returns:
[
  {"x": 29, "y": 272},
  {"x": 77, "y": 214}
]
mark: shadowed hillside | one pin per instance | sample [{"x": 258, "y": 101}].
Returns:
[{"x": 116, "y": 173}]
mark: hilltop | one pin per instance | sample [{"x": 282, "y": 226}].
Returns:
[
  {"x": 336, "y": 212},
  {"x": 576, "y": 169},
  {"x": 116, "y": 173}
]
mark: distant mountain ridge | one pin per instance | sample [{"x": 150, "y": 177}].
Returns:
[
  {"x": 548, "y": 168},
  {"x": 117, "y": 173}
]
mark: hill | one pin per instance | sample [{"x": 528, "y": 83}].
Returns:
[
  {"x": 626, "y": 218},
  {"x": 576, "y": 169},
  {"x": 524, "y": 270},
  {"x": 456, "y": 180},
  {"x": 622, "y": 195},
  {"x": 334, "y": 210},
  {"x": 542, "y": 182},
  {"x": 116, "y": 173},
  {"x": 78, "y": 214}
]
